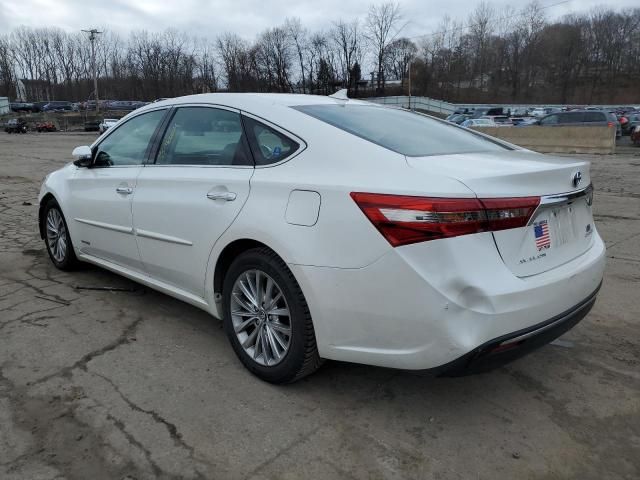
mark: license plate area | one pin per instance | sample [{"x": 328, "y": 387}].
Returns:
[
  {"x": 563, "y": 225},
  {"x": 556, "y": 234}
]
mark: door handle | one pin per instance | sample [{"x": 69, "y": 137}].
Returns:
[
  {"x": 125, "y": 190},
  {"x": 228, "y": 196}
]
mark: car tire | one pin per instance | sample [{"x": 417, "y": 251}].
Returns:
[
  {"x": 56, "y": 237},
  {"x": 268, "y": 359}
]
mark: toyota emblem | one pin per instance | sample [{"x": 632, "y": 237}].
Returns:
[{"x": 577, "y": 178}]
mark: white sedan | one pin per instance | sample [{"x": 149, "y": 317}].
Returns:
[
  {"x": 106, "y": 124},
  {"x": 478, "y": 122},
  {"x": 327, "y": 228}
]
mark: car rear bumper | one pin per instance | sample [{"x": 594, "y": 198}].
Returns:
[
  {"x": 512, "y": 346},
  {"x": 429, "y": 305}
]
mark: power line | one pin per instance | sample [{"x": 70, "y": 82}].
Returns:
[{"x": 464, "y": 27}]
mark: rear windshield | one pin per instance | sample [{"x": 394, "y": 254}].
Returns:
[{"x": 402, "y": 131}]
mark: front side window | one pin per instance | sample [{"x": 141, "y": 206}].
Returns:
[
  {"x": 127, "y": 145},
  {"x": 267, "y": 144},
  {"x": 204, "y": 136},
  {"x": 401, "y": 131}
]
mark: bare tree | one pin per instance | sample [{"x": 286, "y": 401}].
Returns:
[
  {"x": 298, "y": 35},
  {"x": 382, "y": 26},
  {"x": 274, "y": 57},
  {"x": 7, "y": 65},
  {"x": 494, "y": 56},
  {"x": 399, "y": 56},
  {"x": 480, "y": 31},
  {"x": 348, "y": 45}
]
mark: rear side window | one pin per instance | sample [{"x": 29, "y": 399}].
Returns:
[
  {"x": 267, "y": 144},
  {"x": 401, "y": 131},
  {"x": 594, "y": 117},
  {"x": 204, "y": 136},
  {"x": 573, "y": 117},
  {"x": 550, "y": 120}
]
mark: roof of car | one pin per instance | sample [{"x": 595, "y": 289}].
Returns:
[
  {"x": 274, "y": 107},
  {"x": 245, "y": 101}
]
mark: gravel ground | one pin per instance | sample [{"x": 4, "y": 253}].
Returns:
[{"x": 136, "y": 385}]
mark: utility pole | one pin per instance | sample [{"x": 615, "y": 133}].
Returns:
[
  {"x": 410, "y": 85},
  {"x": 93, "y": 33}
]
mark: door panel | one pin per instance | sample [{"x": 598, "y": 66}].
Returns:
[
  {"x": 102, "y": 216},
  {"x": 101, "y": 196},
  {"x": 190, "y": 196},
  {"x": 177, "y": 223}
]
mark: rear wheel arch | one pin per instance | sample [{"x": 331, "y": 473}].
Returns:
[{"x": 227, "y": 256}]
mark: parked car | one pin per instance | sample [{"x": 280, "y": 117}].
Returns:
[
  {"x": 463, "y": 111},
  {"x": 499, "y": 120},
  {"x": 457, "y": 118},
  {"x": 525, "y": 122},
  {"x": 478, "y": 122},
  {"x": 632, "y": 121},
  {"x": 92, "y": 126},
  {"x": 45, "y": 127},
  {"x": 21, "y": 107},
  {"x": 58, "y": 106},
  {"x": 123, "y": 105},
  {"x": 487, "y": 111},
  {"x": 16, "y": 125},
  {"x": 521, "y": 121},
  {"x": 582, "y": 118},
  {"x": 623, "y": 111},
  {"x": 542, "y": 111},
  {"x": 106, "y": 124},
  {"x": 635, "y": 135},
  {"x": 329, "y": 228},
  {"x": 38, "y": 106}
]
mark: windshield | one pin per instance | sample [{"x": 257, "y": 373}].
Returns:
[{"x": 402, "y": 131}]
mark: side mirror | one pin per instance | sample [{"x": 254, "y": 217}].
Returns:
[{"x": 82, "y": 156}]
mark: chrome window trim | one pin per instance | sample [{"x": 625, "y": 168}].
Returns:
[{"x": 169, "y": 165}]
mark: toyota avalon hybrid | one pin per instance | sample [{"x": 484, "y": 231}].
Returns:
[{"x": 329, "y": 228}]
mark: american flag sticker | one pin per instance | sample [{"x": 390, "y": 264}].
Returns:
[{"x": 541, "y": 233}]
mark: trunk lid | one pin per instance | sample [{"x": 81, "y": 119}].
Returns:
[{"x": 560, "y": 230}]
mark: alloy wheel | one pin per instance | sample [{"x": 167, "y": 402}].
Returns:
[
  {"x": 56, "y": 235},
  {"x": 261, "y": 318}
]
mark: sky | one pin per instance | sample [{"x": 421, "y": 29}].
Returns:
[{"x": 208, "y": 18}]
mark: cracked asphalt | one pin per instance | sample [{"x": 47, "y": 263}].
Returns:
[{"x": 136, "y": 385}]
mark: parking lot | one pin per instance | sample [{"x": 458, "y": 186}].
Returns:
[{"x": 132, "y": 384}]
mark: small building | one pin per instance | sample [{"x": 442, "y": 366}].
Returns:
[{"x": 4, "y": 105}]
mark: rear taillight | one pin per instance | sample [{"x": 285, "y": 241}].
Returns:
[
  {"x": 610, "y": 124},
  {"x": 405, "y": 219}
]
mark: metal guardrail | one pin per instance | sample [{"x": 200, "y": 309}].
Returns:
[
  {"x": 423, "y": 103},
  {"x": 441, "y": 106}
]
